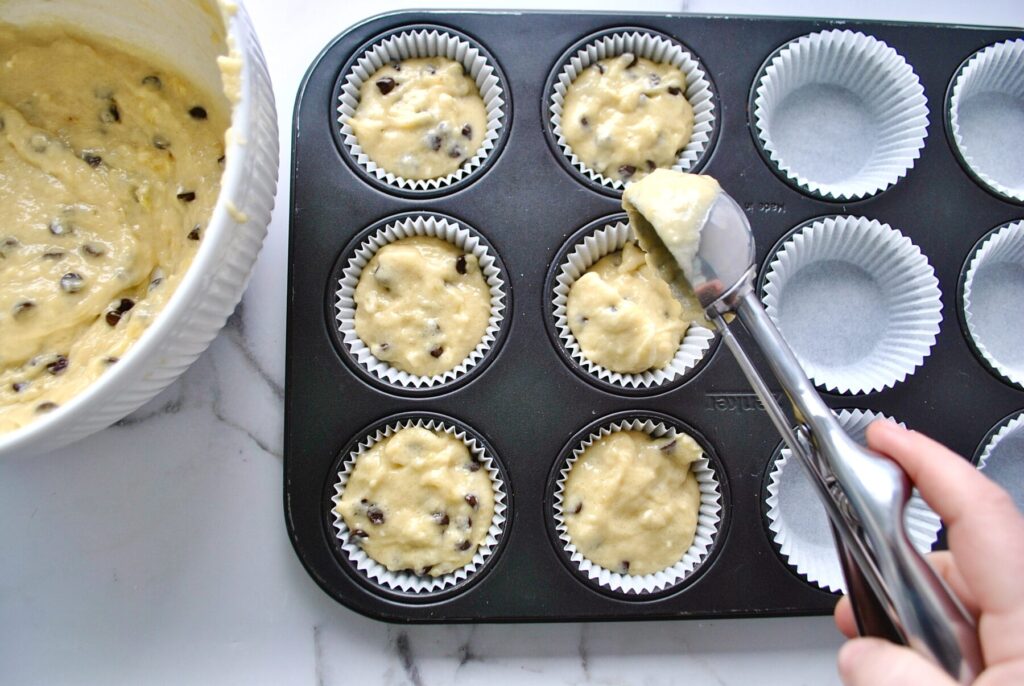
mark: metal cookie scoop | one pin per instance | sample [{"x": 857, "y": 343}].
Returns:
[{"x": 895, "y": 594}]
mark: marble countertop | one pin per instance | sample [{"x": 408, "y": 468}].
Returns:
[{"x": 156, "y": 552}]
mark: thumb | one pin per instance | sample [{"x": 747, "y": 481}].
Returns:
[{"x": 875, "y": 662}]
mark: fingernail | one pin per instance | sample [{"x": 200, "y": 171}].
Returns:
[{"x": 851, "y": 653}]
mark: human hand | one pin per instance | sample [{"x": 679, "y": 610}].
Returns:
[{"x": 984, "y": 567}]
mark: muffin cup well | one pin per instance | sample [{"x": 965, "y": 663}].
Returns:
[
  {"x": 856, "y": 300},
  {"x": 839, "y": 114},
  {"x": 605, "y": 240},
  {"x": 405, "y": 581},
  {"x": 709, "y": 517},
  {"x": 993, "y": 291},
  {"x": 1001, "y": 456},
  {"x": 799, "y": 524},
  {"x": 985, "y": 114},
  {"x": 427, "y": 42},
  {"x": 649, "y": 45},
  {"x": 418, "y": 224}
]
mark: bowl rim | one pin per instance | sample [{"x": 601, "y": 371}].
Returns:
[{"x": 137, "y": 361}]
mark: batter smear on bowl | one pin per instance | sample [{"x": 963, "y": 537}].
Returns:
[{"x": 109, "y": 171}]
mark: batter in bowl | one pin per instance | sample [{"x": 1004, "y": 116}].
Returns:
[
  {"x": 420, "y": 118},
  {"x": 631, "y": 501},
  {"x": 109, "y": 171},
  {"x": 626, "y": 116},
  {"x": 418, "y": 500},
  {"x": 422, "y": 305}
]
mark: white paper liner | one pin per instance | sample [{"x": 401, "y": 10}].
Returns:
[
  {"x": 800, "y": 524},
  {"x": 986, "y": 115},
  {"x": 653, "y": 47},
  {"x": 993, "y": 293},
  {"x": 708, "y": 519},
  {"x": 407, "y": 581},
  {"x": 415, "y": 44},
  {"x": 1002, "y": 459},
  {"x": 864, "y": 305},
  {"x": 841, "y": 114},
  {"x": 605, "y": 241},
  {"x": 418, "y": 225}
]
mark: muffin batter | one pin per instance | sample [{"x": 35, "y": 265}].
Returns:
[
  {"x": 420, "y": 118},
  {"x": 422, "y": 305},
  {"x": 626, "y": 116},
  {"x": 109, "y": 170},
  {"x": 631, "y": 501},
  {"x": 624, "y": 315},
  {"x": 418, "y": 501}
]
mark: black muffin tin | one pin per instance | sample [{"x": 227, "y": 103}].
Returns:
[{"x": 528, "y": 401}]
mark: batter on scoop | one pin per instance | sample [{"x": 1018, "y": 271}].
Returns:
[
  {"x": 109, "y": 170},
  {"x": 418, "y": 500},
  {"x": 631, "y": 501},
  {"x": 626, "y": 116},
  {"x": 624, "y": 316},
  {"x": 422, "y": 305},
  {"x": 420, "y": 118}
]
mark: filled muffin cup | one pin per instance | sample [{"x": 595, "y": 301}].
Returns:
[
  {"x": 839, "y": 114},
  {"x": 652, "y": 46},
  {"x": 1001, "y": 456},
  {"x": 409, "y": 582},
  {"x": 431, "y": 42},
  {"x": 856, "y": 300},
  {"x": 610, "y": 238},
  {"x": 417, "y": 224},
  {"x": 799, "y": 524},
  {"x": 709, "y": 516},
  {"x": 986, "y": 117},
  {"x": 993, "y": 290}
]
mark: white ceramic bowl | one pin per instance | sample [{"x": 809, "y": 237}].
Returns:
[{"x": 188, "y": 34}]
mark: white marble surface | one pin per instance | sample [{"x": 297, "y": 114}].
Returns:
[{"x": 156, "y": 552}]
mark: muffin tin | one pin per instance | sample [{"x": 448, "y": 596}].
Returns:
[{"x": 527, "y": 400}]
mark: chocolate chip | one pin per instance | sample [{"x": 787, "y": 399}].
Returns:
[
  {"x": 654, "y": 79},
  {"x": 23, "y": 307},
  {"x": 110, "y": 359},
  {"x": 460, "y": 264},
  {"x": 669, "y": 447},
  {"x": 426, "y": 570},
  {"x": 386, "y": 85},
  {"x": 465, "y": 545},
  {"x": 53, "y": 255},
  {"x": 469, "y": 522},
  {"x": 584, "y": 121},
  {"x": 385, "y": 346},
  {"x": 375, "y": 515},
  {"x": 434, "y": 142},
  {"x": 467, "y": 131},
  {"x": 112, "y": 114},
  {"x": 431, "y": 69},
  {"x": 220, "y": 160},
  {"x": 578, "y": 508},
  {"x": 442, "y": 518},
  {"x": 472, "y": 501},
  {"x": 197, "y": 112},
  {"x": 153, "y": 81},
  {"x": 92, "y": 159},
  {"x": 437, "y": 352},
  {"x": 625, "y": 566},
  {"x": 675, "y": 90},
  {"x": 633, "y": 61},
  {"x": 186, "y": 196},
  {"x": 18, "y": 386},
  {"x": 58, "y": 366},
  {"x": 71, "y": 282},
  {"x": 93, "y": 249},
  {"x": 474, "y": 466},
  {"x": 627, "y": 170},
  {"x": 359, "y": 533},
  {"x": 364, "y": 501},
  {"x": 600, "y": 67},
  {"x": 160, "y": 143},
  {"x": 46, "y": 407},
  {"x": 59, "y": 228},
  {"x": 193, "y": 235},
  {"x": 397, "y": 66},
  {"x": 455, "y": 153},
  {"x": 114, "y": 315},
  {"x": 651, "y": 166}
]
